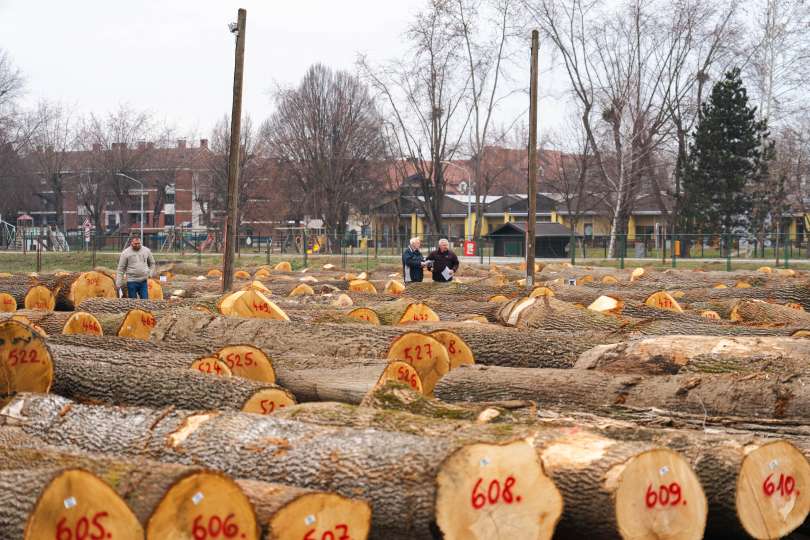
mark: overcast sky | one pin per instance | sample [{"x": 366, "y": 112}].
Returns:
[{"x": 175, "y": 58}]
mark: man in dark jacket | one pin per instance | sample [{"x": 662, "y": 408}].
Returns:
[
  {"x": 412, "y": 261},
  {"x": 444, "y": 262}
]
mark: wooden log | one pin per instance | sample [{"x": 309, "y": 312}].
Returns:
[
  {"x": 17, "y": 286},
  {"x": 410, "y": 481},
  {"x": 490, "y": 344},
  {"x": 551, "y": 314},
  {"x": 403, "y": 311},
  {"x": 704, "y": 354},
  {"x": 123, "y": 305},
  {"x": 754, "y": 394},
  {"x": 39, "y": 297},
  {"x": 760, "y": 313},
  {"x": 25, "y": 359},
  {"x": 56, "y": 502},
  {"x": 173, "y": 500},
  {"x": 72, "y": 289},
  {"x": 584, "y": 466}
]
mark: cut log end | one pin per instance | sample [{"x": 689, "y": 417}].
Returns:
[
  {"x": 365, "y": 315},
  {"x": 427, "y": 355},
  {"x": 137, "y": 324},
  {"x": 510, "y": 312},
  {"x": 251, "y": 304},
  {"x": 321, "y": 515},
  {"x": 28, "y": 322},
  {"x": 7, "y": 303},
  {"x": 488, "y": 491},
  {"x": 211, "y": 365},
  {"x": 204, "y": 505},
  {"x": 82, "y": 323},
  {"x": 92, "y": 284},
  {"x": 361, "y": 285},
  {"x": 241, "y": 274},
  {"x": 773, "y": 490},
  {"x": 40, "y": 297},
  {"x": 302, "y": 290},
  {"x": 76, "y": 502},
  {"x": 498, "y": 299},
  {"x": 400, "y": 372},
  {"x": 214, "y": 273},
  {"x": 457, "y": 350},
  {"x": 283, "y": 266},
  {"x": 26, "y": 364},
  {"x": 637, "y": 274},
  {"x": 709, "y": 314},
  {"x": 663, "y": 300},
  {"x": 607, "y": 304},
  {"x": 609, "y": 280},
  {"x": 417, "y": 312},
  {"x": 659, "y": 496},
  {"x": 394, "y": 287},
  {"x": 268, "y": 401},
  {"x": 248, "y": 362},
  {"x": 541, "y": 291},
  {"x": 257, "y": 286}
]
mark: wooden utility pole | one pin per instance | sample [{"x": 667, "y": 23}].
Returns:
[
  {"x": 232, "y": 228},
  {"x": 531, "y": 216}
]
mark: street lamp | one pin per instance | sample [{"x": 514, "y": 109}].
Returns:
[
  {"x": 468, "y": 185},
  {"x": 142, "y": 191}
]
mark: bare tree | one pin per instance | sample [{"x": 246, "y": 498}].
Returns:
[
  {"x": 52, "y": 141},
  {"x": 326, "y": 134},
  {"x": 15, "y": 131},
  {"x": 425, "y": 96},
  {"x": 212, "y": 193},
  {"x": 111, "y": 145}
]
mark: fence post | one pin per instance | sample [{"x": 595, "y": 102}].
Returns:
[
  {"x": 199, "y": 250},
  {"x": 675, "y": 248},
  {"x": 728, "y": 253},
  {"x": 268, "y": 252},
  {"x": 787, "y": 241},
  {"x": 95, "y": 242},
  {"x": 304, "y": 245},
  {"x": 623, "y": 248},
  {"x": 39, "y": 254}
]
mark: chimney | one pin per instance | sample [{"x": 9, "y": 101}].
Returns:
[
  {"x": 181, "y": 144},
  {"x": 96, "y": 147},
  {"x": 204, "y": 143}
]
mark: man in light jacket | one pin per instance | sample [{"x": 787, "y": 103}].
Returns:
[{"x": 136, "y": 265}]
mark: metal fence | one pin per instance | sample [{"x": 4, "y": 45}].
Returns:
[{"x": 304, "y": 245}]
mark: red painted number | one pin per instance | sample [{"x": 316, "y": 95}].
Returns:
[
  {"x": 403, "y": 375},
  {"x": 84, "y": 529},
  {"x": 341, "y": 532},
  {"x": 420, "y": 317},
  {"x": 667, "y": 495},
  {"x": 665, "y": 302},
  {"x": 90, "y": 326},
  {"x": 148, "y": 321},
  {"x": 19, "y": 357},
  {"x": 493, "y": 493},
  {"x": 786, "y": 485},
  {"x": 418, "y": 349},
  {"x": 261, "y": 307},
  {"x": 268, "y": 406},
  {"x": 235, "y": 360},
  {"x": 216, "y": 527},
  {"x": 452, "y": 347},
  {"x": 91, "y": 281},
  {"x": 7, "y": 301}
]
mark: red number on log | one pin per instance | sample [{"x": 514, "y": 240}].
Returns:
[
  {"x": 786, "y": 486},
  {"x": 217, "y": 527},
  {"x": 261, "y": 307},
  {"x": 148, "y": 321},
  {"x": 452, "y": 347},
  {"x": 402, "y": 375},
  {"x": 40, "y": 305},
  {"x": 341, "y": 529},
  {"x": 408, "y": 354},
  {"x": 7, "y": 301},
  {"x": 249, "y": 358},
  {"x": 205, "y": 367},
  {"x": 667, "y": 495},
  {"x": 82, "y": 528},
  {"x": 19, "y": 357},
  {"x": 90, "y": 325},
  {"x": 91, "y": 281},
  {"x": 268, "y": 406},
  {"x": 494, "y": 493}
]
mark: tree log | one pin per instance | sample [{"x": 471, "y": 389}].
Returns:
[
  {"x": 410, "y": 481},
  {"x": 667, "y": 355},
  {"x": 754, "y": 394}
]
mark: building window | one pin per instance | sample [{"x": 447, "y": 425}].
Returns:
[
  {"x": 168, "y": 220},
  {"x": 111, "y": 221},
  {"x": 588, "y": 229}
]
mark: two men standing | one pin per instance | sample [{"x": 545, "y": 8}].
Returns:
[
  {"x": 442, "y": 263},
  {"x": 136, "y": 265}
]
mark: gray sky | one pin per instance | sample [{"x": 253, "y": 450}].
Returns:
[{"x": 175, "y": 58}]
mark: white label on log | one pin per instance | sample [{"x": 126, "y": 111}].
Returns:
[
  {"x": 197, "y": 498},
  {"x": 309, "y": 520},
  {"x": 663, "y": 470},
  {"x": 485, "y": 461},
  {"x": 773, "y": 464},
  {"x": 70, "y": 502}
]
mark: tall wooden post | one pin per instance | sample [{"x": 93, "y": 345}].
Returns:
[
  {"x": 531, "y": 217},
  {"x": 233, "y": 157}
]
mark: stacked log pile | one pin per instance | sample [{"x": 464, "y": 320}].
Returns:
[{"x": 321, "y": 403}]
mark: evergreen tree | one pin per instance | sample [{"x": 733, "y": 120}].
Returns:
[{"x": 727, "y": 161}]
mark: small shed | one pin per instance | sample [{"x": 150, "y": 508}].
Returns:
[{"x": 551, "y": 240}]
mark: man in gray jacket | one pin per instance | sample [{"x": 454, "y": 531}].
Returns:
[{"x": 136, "y": 265}]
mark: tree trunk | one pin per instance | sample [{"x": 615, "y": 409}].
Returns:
[
  {"x": 731, "y": 394},
  {"x": 407, "y": 479}
]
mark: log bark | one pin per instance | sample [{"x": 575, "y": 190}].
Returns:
[
  {"x": 123, "y": 382},
  {"x": 759, "y": 395},
  {"x": 123, "y": 305},
  {"x": 668, "y": 355},
  {"x": 395, "y": 472},
  {"x": 552, "y": 314},
  {"x": 759, "y": 313},
  {"x": 490, "y": 344}
]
